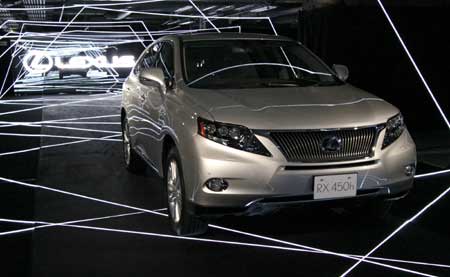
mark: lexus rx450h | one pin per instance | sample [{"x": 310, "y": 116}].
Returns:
[{"x": 247, "y": 124}]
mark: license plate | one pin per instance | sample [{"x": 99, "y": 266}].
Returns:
[{"x": 335, "y": 186}]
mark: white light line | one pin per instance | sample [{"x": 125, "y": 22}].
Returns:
[
  {"x": 176, "y": 15},
  {"x": 62, "y": 13},
  {"x": 396, "y": 231},
  {"x": 414, "y": 64},
  {"x": 74, "y": 105},
  {"x": 226, "y": 242},
  {"x": 48, "y": 224},
  {"x": 69, "y": 128},
  {"x": 213, "y": 226},
  {"x": 43, "y": 99},
  {"x": 56, "y": 105},
  {"x": 65, "y": 27},
  {"x": 56, "y": 136},
  {"x": 111, "y": 34},
  {"x": 86, "y": 123},
  {"x": 82, "y": 5},
  {"x": 63, "y": 121},
  {"x": 80, "y": 196},
  {"x": 432, "y": 173},
  {"x": 16, "y": 221},
  {"x": 272, "y": 26},
  {"x": 50, "y": 146},
  {"x": 204, "y": 16}
]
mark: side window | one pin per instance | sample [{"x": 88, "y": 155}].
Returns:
[{"x": 165, "y": 61}]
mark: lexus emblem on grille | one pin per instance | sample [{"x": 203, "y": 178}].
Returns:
[{"x": 331, "y": 144}]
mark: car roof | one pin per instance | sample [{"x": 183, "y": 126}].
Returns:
[{"x": 220, "y": 36}]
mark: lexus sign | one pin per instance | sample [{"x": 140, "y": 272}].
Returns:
[{"x": 42, "y": 62}]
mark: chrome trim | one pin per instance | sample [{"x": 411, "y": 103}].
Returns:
[{"x": 288, "y": 144}]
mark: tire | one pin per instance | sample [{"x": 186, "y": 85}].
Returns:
[
  {"x": 183, "y": 222},
  {"x": 133, "y": 162}
]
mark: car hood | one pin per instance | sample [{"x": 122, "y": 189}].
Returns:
[{"x": 294, "y": 107}]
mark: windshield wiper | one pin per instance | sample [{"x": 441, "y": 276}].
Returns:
[{"x": 296, "y": 83}]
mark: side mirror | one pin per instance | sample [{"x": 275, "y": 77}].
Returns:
[
  {"x": 342, "y": 71},
  {"x": 153, "y": 76}
]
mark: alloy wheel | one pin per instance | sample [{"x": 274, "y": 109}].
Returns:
[
  {"x": 174, "y": 191},
  {"x": 126, "y": 143}
]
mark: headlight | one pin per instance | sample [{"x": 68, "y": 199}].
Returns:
[
  {"x": 394, "y": 129},
  {"x": 235, "y": 136}
]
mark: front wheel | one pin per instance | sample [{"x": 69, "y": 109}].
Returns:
[{"x": 182, "y": 221}]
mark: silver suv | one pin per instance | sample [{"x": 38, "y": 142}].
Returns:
[{"x": 247, "y": 124}]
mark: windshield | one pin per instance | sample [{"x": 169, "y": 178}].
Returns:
[{"x": 252, "y": 64}]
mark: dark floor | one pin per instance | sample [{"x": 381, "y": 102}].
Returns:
[{"x": 95, "y": 169}]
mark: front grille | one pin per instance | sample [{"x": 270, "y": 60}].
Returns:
[{"x": 307, "y": 146}]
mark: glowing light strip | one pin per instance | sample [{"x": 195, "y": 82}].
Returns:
[
  {"x": 55, "y": 224},
  {"x": 87, "y": 123},
  {"x": 120, "y": 33},
  {"x": 71, "y": 128},
  {"x": 55, "y": 136},
  {"x": 50, "y": 146},
  {"x": 56, "y": 121},
  {"x": 62, "y": 13},
  {"x": 48, "y": 99},
  {"x": 258, "y": 246},
  {"x": 179, "y": 15},
  {"x": 56, "y": 105},
  {"x": 213, "y": 226},
  {"x": 79, "y": 196},
  {"x": 204, "y": 16},
  {"x": 68, "y": 223},
  {"x": 110, "y": 34},
  {"x": 414, "y": 64},
  {"x": 433, "y": 173},
  {"x": 226, "y": 242},
  {"x": 396, "y": 231},
  {"x": 83, "y": 5},
  {"x": 74, "y": 105}
]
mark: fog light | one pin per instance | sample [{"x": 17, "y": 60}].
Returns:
[
  {"x": 410, "y": 170},
  {"x": 216, "y": 184}
]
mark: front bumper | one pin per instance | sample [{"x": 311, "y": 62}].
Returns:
[
  {"x": 266, "y": 205},
  {"x": 258, "y": 181}
]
